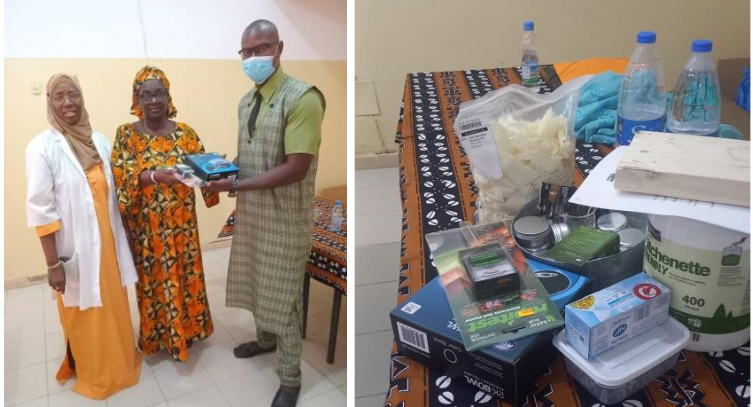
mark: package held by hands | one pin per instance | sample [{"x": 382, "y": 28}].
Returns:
[{"x": 211, "y": 167}]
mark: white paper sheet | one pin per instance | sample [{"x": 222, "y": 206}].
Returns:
[{"x": 598, "y": 191}]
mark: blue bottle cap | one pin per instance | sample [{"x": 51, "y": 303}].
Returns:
[
  {"x": 701, "y": 46},
  {"x": 338, "y": 202},
  {"x": 527, "y": 25},
  {"x": 646, "y": 37}
]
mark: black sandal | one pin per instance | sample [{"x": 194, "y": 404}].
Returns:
[{"x": 251, "y": 349}]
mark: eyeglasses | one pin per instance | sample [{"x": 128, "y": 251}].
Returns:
[
  {"x": 261, "y": 50},
  {"x": 59, "y": 98},
  {"x": 147, "y": 97}
]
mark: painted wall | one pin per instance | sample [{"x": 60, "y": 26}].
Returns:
[
  {"x": 312, "y": 30},
  {"x": 196, "y": 47},
  {"x": 395, "y": 37}
]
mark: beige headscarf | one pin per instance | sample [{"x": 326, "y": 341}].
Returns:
[{"x": 79, "y": 135}]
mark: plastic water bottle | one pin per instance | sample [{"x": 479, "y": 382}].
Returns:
[
  {"x": 529, "y": 66},
  {"x": 642, "y": 103},
  {"x": 337, "y": 217},
  {"x": 695, "y": 107},
  {"x": 317, "y": 214}
]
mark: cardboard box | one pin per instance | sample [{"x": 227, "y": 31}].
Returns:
[
  {"x": 614, "y": 315},
  {"x": 426, "y": 332},
  {"x": 211, "y": 167}
]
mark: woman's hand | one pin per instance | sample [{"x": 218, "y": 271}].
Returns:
[
  {"x": 56, "y": 278},
  {"x": 166, "y": 177}
]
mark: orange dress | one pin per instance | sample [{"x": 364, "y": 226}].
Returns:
[
  {"x": 101, "y": 338},
  {"x": 171, "y": 290}
]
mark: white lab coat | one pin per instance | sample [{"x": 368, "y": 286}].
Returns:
[{"x": 58, "y": 190}]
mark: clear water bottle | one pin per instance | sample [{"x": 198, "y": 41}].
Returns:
[
  {"x": 529, "y": 66},
  {"x": 696, "y": 106},
  {"x": 642, "y": 103},
  {"x": 317, "y": 214},
  {"x": 337, "y": 217}
]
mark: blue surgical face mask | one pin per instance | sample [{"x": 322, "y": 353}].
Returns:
[{"x": 259, "y": 69}]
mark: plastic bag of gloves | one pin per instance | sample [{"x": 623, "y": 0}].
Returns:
[{"x": 515, "y": 140}]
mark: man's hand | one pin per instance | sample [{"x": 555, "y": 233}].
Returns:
[{"x": 222, "y": 185}]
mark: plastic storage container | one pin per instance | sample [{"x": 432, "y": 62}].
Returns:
[
  {"x": 619, "y": 372},
  {"x": 529, "y": 66},
  {"x": 642, "y": 102},
  {"x": 696, "y": 102}
]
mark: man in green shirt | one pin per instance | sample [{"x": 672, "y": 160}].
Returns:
[{"x": 278, "y": 143}]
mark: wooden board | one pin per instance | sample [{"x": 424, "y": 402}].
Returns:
[{"x": 690, "y": 167}]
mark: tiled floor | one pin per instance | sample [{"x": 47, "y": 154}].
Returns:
[
  {"x": 212, "y": 377},
  {"x": 378, "y": 219}
]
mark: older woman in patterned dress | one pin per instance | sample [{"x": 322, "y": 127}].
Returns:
[{"x": 162, "y": 223}]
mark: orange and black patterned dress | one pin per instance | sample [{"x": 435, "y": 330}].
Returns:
[{"x": 171, "y": 291}]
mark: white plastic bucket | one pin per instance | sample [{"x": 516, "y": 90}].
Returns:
[{"x": 707, "y": 268}]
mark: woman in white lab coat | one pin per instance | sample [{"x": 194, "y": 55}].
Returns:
[{"x": 72, "y": 204}]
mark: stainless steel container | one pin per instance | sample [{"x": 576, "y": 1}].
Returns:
[
  {"x": 560, "y": 230},
  {"x": 533, "y": 233},
  {"x": 630, "y": 238},
  {"x": 602, "y": 272},
  {"x": 612, "y": 222}
]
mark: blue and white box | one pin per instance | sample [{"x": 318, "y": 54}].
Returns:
[
  {"x": 610, "y": 317},
  {"x": 211, "y": 167}
]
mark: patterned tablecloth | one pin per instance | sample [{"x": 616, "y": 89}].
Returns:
[
  {"x": 438, "y": 192},
  {"x": 328, "y": 262}
]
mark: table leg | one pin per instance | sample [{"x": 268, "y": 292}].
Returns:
[
  {"x": 333, "y": 326},
  {"x": 306, "y": 286}
]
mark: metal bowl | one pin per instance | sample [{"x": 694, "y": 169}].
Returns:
[{"x": 602, "y": 272}]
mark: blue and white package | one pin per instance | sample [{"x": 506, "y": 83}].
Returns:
[
  {"x": 614, "y": 315},
  {"x": 211, "y": 166}
]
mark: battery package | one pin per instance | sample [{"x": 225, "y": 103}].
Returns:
[
  {"x": 505, "y": 311},
  {"x": 211, "y": 167},
  {"x": 490, "y": 271},
  {"x": 426, "y": 332}
]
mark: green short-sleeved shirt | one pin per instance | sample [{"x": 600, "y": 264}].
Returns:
[{"x": 303, "y": 132}]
